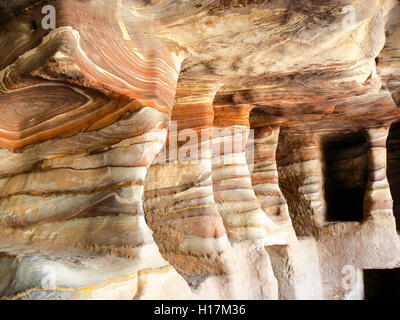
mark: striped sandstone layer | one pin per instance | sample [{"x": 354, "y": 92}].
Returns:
[
  {"x": 80, "y": 125},
  {"x": 179, "y": 200},
  {"x": 237, "y": 201},
  {"x": 114, "y": 177}
]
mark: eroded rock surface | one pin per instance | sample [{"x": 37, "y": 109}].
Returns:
[{"x": 198, "y": 149}]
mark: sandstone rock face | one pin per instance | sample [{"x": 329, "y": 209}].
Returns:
[{"x": 198, "y": 149}]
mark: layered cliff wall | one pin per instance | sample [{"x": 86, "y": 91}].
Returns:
[{"x": 198, "y": 149}]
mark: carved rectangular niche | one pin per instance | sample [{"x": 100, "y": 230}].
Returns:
[
  {"x": 346, "y": 176},
  {"x": 382, "y": 284}
]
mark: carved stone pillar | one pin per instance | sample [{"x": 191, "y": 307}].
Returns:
[
  {"x": 377, "y": 196},
  {"x": 179, "y": 199},
  {"x": 243, "y": 215},
  {"x": 265, "y": 180}
]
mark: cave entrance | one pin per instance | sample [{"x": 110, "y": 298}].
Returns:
[
  {"x": 393, "y": 168},
  {"x": 382, "y": 284},
  {"x": 346, "y": 176}
]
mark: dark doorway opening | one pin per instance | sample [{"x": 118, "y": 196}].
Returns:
[
  {"x": 393, "y": 168},
  {"x": 382, "y": 284},
  {"x": 346, "y": 176}
]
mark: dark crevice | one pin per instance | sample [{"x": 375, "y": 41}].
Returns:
[
  {"x": 393, "y": 168},
  {"x": 346, "y": 176},
  {"x": 382, "y": 284}
]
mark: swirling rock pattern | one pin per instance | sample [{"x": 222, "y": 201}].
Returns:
[{"x": 179, "y": 149}]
